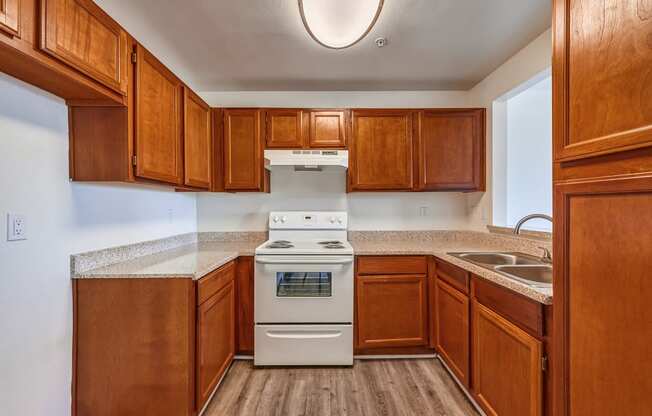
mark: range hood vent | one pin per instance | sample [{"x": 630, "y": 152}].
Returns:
[{"x": 307, "y": 159}]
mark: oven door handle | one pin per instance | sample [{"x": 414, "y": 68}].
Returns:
[
  {"x": 304, "y": 334},
  {"x": 305, "y": 260}
]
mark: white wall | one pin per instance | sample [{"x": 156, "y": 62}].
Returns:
[
  {"x": 529, "y": 155},
  {"x": 530, "y": 62},
  {"x": 62, "y": 218},
  {"x": 327, "y": 190}
]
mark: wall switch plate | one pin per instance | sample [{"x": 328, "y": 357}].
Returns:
[{"x": 16, "y": 227}]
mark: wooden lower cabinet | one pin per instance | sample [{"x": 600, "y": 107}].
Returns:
[
  {"x": 452, "y": 329},
  {"x": 151, "y": 346},
  {"x": 215, "y": 341},
  {"x": 507, "y": 373},
  {"x": 392, "y": 311}
]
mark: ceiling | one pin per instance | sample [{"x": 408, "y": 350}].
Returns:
[{"x": 261, "y": 45}]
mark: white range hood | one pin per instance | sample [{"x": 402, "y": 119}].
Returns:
[{"x": 307, "y": 159}]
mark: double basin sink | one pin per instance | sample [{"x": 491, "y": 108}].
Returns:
[{"x": 521, "y": 267}]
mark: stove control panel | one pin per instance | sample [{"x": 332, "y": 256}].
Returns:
[{"x": 315, "y": 220}]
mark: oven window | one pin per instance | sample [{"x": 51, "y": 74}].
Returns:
[{"x": 304, "y": 284}]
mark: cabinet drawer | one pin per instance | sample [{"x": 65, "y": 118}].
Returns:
[
  {"x": 526, "y": 313},
  {"x": 392, "y": 265},
  {"x": 210, "y": 284},
  {"x": 453, "y": 275}
]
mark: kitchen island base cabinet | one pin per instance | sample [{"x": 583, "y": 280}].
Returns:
[{"x": 507, "y": 373}]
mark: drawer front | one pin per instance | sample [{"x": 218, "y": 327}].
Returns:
[
  {"x": 210, "y": 284},
  {"x": 383, "y": 265},
  {"x": 524, "y": 312},
  {"x": 303, "y": 345},
  {"x": 453, "y": 275}
]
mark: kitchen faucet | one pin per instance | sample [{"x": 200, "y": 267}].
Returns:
[{"x": 519, "y": 224}]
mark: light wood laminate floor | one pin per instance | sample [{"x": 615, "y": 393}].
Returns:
[{"x": 370, "y": 388}]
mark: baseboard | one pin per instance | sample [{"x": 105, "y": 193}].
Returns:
[
  {"x": 217, "y": 386},
  {"x": 393, "y": 356},
  {"x": 462, "y": 387}
]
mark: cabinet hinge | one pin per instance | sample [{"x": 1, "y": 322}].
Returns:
[
  {"x": 134, "y": 160},
  {"x": 133, "y": 57},
  {"x": 544, "y": 363}
]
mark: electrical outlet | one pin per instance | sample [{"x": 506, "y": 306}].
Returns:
[
  {"x": 423, "y": 211},
  {"x": 16, "y": 227}
]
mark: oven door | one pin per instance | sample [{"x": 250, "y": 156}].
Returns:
[{"x": 303, "y": 289}]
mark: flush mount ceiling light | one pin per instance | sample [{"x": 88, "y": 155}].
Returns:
[{"x": 339, "y": 24}]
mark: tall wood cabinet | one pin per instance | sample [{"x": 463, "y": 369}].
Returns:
[
  {"x": 83, "y": 36},
  {"x": 450, "y": 148},
  {"x": 382, "y": 150},
  {"x": 602, "y": 148},
  {"x": 9, "y": 17}
]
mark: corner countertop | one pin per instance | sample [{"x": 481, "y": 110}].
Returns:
[{"x": 188, "y": 261}]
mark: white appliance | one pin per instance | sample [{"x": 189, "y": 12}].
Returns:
[
  {"x": 307, "y": 159},
  {"x": 303, "y": 291}
]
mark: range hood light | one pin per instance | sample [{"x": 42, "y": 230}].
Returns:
[{"x": 339, "y": 24}]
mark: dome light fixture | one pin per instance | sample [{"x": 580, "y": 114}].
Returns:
[{"x": 339, "y": 24}]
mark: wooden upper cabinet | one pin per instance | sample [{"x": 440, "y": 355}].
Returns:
[
  {"x": 10, "y": 17},
  {"x": 381, "y": 150},
  {"x": 451, "y": 150},
  {"x": 215, "y": 341},
  {"x": 159, "y": 96},
  {"x": 507, "y": 374},
  {"x": 243, "y": 150},
  {"x": 452, "y": 336},
  {"x": 197, "y": 141},
  {"x": 392, "y": 311},
  {"x": 601, "y": 73},
  {"x": 328, "y": 129},
  {"x": 284, "y": 128},
  {"x": 80, "y": 34}
]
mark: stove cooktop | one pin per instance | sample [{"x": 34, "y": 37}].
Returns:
[{"x": 305, "y": 247}]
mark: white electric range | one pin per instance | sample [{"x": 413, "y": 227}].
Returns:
[{"x": 303, "y": 291}]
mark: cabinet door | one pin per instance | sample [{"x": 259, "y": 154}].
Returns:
[
  {"x": 507, "y": 379},
  {"x": 284, "y": 128},
  {"x": 451, "y": 150},
  {"x": 452, "y": 329},
  {"x": 244, "y": 290},
  {"x": 80, "y": 34},
  {"x": 215, "y": 341},
  {"x": 381, "y": 150},
  {"x": 10, "y": 16},
  {"x": 197, "y": 141},
  {"x": 158, "y": 121},
  {"x": 327, "y": 129},
  {"x": 243, "y": 163},
  {"x": 601, "y": 77},
  {"x": 392, "y": 311}
]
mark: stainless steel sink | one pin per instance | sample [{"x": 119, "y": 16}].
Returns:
[
  {"x": 499, "y": 259},
  {"x": 536, "y": 275},
  {"x": 522, "y": 267}
]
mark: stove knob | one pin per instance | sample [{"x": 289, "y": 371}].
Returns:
[
  {"x": 332, "y": 220},
  {"x": 284, "y": 219},
  {"x": 275, "y": 219},
  {"x": 339, "y": 221}
]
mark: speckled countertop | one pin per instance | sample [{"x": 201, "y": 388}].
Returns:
[
  {"x": 193, "y": 260},
  {"x": 460, "y": 242},
  {"x": 193, "y": 256}
]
